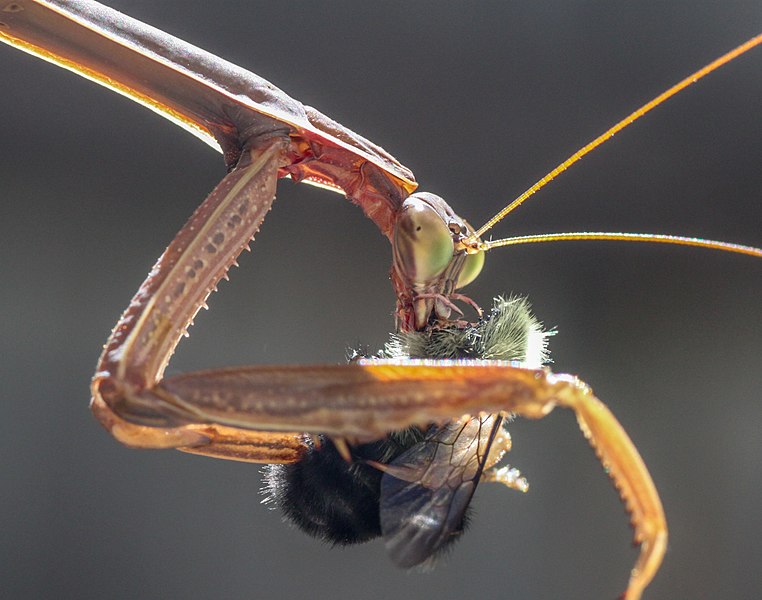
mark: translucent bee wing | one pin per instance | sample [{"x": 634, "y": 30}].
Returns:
[{"x": 426, "y": 491}]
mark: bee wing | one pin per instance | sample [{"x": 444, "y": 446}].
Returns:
[{"x": 425, "y": 492}]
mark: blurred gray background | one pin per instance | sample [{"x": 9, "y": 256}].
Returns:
[{"x": 479, "y": 99}]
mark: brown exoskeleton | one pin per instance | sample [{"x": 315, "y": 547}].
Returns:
[{"x": 220, "y": 413}]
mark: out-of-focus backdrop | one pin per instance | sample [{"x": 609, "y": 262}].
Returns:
[{"x": 479, "y": 99}]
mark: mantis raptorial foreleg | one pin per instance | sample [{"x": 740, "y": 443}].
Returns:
[
  {"x": 134, "y": 358},
  {"x": 367, "y": 399},
  {"x": 253, "y": 413}
]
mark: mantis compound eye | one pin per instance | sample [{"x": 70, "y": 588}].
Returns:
[
  {"x": 423, "y": 242},
  {"x": 471, "y": 268}
]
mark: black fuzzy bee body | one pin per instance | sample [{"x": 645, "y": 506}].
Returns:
[{"x": 346, "y": 502}]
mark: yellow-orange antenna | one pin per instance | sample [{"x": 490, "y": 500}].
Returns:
[
  {"x": 623, "y": 237},
  {"x": 472, "y": 241}
]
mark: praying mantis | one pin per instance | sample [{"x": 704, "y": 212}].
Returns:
[{"x": 718, "y": 236}]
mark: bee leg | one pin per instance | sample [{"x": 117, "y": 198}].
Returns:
[
  {"x": 507, "y": 475},
  {"x": 501, "y": 444}
]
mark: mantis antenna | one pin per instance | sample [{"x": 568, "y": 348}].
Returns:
[
  {"x": 473, "y": 244},
  {"x": 623, "y": 237}
]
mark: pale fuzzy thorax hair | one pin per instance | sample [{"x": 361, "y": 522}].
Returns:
[{"x": 508, "y": 332}]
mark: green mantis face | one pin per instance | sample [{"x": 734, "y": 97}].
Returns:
[{"x": 427, "y": 256}]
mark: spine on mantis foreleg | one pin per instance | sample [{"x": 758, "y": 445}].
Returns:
[
  {"x": 624, "y": 465},
  {"x": 140, "y": 345}
]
